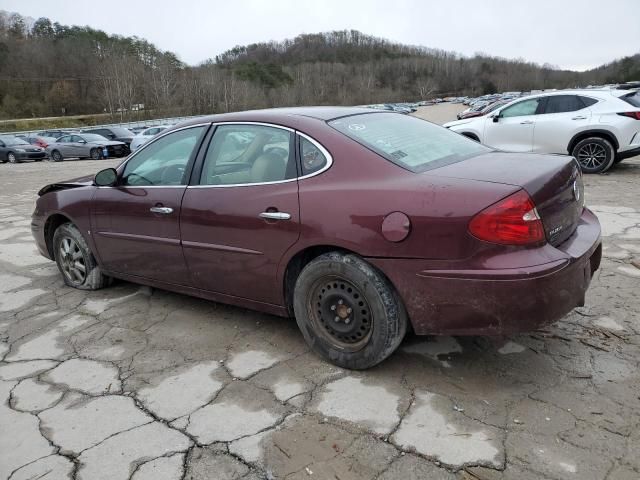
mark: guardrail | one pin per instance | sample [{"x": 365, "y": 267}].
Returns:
[{"x": 138, "y": 123}]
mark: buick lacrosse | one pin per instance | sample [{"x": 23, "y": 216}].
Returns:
[{"x": 358, "y": 223}]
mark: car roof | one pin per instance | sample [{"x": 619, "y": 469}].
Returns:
[{"x": 290, "y": 116}]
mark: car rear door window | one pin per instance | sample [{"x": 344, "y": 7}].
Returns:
[
  {"x": 164, "y": 162},
  {"x": 520, "y": 109},
  {"x": 563, "y": 103},
  {"x": 588, "y": 101},
  {"x": 248, "y": 154}
]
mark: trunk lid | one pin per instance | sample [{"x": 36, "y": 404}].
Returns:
[{"x": 554, "y": 183}]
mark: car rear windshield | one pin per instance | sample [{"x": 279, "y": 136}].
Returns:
[
  {"x": 632, "y": 98},
  {"x": 411, "y": 143}
]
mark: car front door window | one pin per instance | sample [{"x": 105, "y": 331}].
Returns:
[
  {"x": 164, "y": 162},
  {"x": 520, "y": 109}
]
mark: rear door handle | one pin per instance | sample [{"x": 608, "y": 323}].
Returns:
[
  {"x": 275, "y": 215},
  {"x": 526, "y": 122},
  {"x": 162, "y": 210},
  {"x": 580, "y": 117}
]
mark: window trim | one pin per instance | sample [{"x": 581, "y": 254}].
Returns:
[{"x": 317, "y": 144}]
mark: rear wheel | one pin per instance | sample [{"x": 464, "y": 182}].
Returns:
[
  {"x": 12, "y": 157},
  {"x": 56, "y": 156},
  {"x": 348, "y": 312},
  {"x": 75, "y": 261},
  {"x": 595, "y": 154},
  {"x": 95, "y": 154}
]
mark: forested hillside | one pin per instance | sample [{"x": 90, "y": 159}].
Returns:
[{"x": 48, "y": 69}]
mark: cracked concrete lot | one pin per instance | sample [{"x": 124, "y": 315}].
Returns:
[{"x": 136, "y": 383}]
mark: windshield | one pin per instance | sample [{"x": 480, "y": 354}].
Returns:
[
  {"x": 409, "y": 142},
  {"x": 93, "y": 137},
  {"x": 9, "y": 140}
]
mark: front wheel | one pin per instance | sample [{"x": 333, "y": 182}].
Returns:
[
  {"x": 95, "y": 154},
  {"x": 595, "y": 154},
  {"x": 56, "y": 156},
  {"x": 75, "y": 261},
  {"x": 348, "y": 312},
  {"x": 12, "y": 158}
]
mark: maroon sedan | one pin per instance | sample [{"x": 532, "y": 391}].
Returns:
[{"x": 357, "y": 222}]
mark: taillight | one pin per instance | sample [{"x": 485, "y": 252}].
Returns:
[
  {"x": 513, "y": 220},
  {"x": 634, "y": 115}
]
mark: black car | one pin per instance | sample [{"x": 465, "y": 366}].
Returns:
[
  {"x": 117, "y": 134},
  {"x": 14, "y": 150}
]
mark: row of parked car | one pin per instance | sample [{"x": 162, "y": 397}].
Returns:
[
  {"x": 57, "y": 145},
  {"x": 597, "y": 126}
]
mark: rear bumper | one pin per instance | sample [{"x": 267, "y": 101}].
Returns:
[{"x": 472, "y": 301}]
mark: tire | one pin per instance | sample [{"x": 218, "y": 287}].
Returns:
[
  {"x": 371, "y": 318},
  {"x": 70, "y": 250},
  {"x": 594, "y": 154},
  {"x": 95, "y": 154},
  {"x": 56, "y": 156},
  {"x": 12, "y": 158}
]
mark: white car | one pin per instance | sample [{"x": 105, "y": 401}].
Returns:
[
  {"x": 598, "y": 127},
  {"x": 145, "y": 135}
]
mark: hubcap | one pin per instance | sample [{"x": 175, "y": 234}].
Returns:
[
  {"x": 72, "y": 261},
  {"x": 592, "y": 156},
  {"x": 340, "y": 313}
]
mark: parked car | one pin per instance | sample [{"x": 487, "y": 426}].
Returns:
[
  {"x": 372, "y": 222},
  {"x": 55, "y": 133},
  {"x": 597, "y": 127},
  {"x": 117, "y": 134},
  {"x": 14, "y": 150},
  {"x": 482, "y": 110},
  {"x": 86, "y": 145},
  {"x": 41, "y": 142},
  {"x": 145, "y": 135}
]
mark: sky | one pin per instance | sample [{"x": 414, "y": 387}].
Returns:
[{"x": 572, "y": 34}]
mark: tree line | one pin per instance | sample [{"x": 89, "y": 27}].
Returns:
[{"x": 49, "y": 69}]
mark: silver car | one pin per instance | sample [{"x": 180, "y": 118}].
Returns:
[{"x": 85, "y": 145}]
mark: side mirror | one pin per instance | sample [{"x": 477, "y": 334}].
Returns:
[
  {"x": 83, "y": 141},
  {"x": 106, "y": 177},
  {"x": 112, "y": 136},
  {"x": 496, "y": 117}
]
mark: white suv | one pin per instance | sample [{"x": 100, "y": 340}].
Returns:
[{"x": 598, "y": 127}]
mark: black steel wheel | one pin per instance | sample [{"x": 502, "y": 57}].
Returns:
[
  {"x": 348, "y": 311},
  {"x": 340, "y": 312}
]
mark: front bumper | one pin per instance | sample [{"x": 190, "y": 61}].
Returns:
[
  {"x": 497, "y": 301},
  {"x": 30, "y": 155}
]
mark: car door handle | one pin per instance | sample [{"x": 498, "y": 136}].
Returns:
[
  {"x": 275, "y": 215},
  {"x": 163, "y": 210},
  {"x": 526, "y": 122},
  {"x": 580, "y": 117}
]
